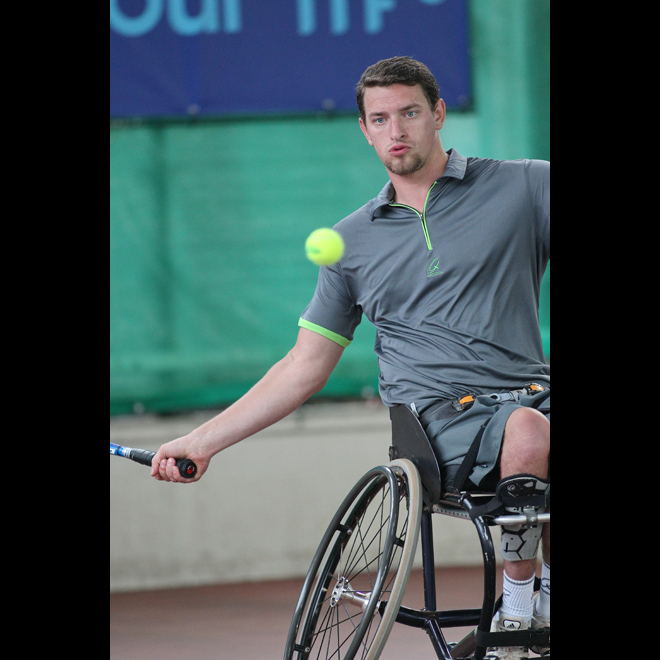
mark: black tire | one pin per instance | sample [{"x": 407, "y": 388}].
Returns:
[{"x": 353, "y": 589}]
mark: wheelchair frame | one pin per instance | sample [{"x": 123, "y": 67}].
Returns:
[{"x": 413, "y": 474}]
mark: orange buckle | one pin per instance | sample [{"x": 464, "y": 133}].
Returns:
[
  {"x": 464, "y": 402},
  {"x": 534, "y": 387}
]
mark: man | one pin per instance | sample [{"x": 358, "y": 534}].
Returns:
[{"x": 446, "y": 262}]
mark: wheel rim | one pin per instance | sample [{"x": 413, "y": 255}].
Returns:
[{"x": 345, "y": 599}]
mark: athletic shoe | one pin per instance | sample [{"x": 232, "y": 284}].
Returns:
[
  {"x": 505, "y": 622},
  {"x": 539, "y": 622}
]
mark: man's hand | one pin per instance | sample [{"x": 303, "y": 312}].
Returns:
[{"x": 162, "y": 464}]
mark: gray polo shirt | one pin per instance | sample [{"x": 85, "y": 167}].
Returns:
[{"x": 453, "y": 290}]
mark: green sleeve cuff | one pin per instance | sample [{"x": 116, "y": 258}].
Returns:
[{"x": 338, "y": 339}]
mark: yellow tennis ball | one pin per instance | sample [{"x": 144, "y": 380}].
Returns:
[{"x": 324, "y": 247}]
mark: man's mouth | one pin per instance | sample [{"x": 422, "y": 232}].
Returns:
[{"x": 398, "y": 149}]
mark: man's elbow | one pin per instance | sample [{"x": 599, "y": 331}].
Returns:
[
  {"x": 311, "y": 378},
  {"x": 318, "y": 383},
  {"x": 313, "y": 370}
]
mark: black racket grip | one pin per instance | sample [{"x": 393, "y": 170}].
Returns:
[{"x": 187, "y": 468}]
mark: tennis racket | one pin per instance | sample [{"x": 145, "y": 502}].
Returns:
[{"x": 187, "y": 468}]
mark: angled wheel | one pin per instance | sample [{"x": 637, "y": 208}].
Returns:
[{"x": 354, "y": 587}]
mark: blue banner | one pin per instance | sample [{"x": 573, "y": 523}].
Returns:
[{"x": 223, "y": 57}]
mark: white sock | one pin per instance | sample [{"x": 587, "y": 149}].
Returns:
[
  {"x": 543, "y": 602},
  {"x": 518, "y": 595}
]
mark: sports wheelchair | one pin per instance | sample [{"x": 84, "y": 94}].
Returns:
[{"x": 352, "y": 594}]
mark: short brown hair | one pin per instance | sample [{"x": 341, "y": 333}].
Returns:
[{"x": 398, "y": 71}]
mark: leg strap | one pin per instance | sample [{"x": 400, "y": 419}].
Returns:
[
  {"x": 469, "y": 460},
  {"x": 523, "y": 490}
]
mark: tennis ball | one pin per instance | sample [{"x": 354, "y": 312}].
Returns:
[{"x": 324, "y": 247}]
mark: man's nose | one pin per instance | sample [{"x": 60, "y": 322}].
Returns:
[{"x": 397, "y": 130}]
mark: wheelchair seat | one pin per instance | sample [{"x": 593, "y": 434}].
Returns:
[{"x": 409, "y": 440}]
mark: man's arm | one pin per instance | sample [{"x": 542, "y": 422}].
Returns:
[{"x": 287, "y": 385}]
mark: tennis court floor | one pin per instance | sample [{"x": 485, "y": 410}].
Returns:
[{"x": 249, "y": 621}]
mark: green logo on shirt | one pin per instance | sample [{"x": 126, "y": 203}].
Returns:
[{"x": 434, "y": 268}]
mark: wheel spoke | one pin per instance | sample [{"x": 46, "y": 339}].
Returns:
[{"x": 355, "y": 567}]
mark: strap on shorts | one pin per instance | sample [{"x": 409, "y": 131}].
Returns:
[
  {"x": 469, "y": 460},
  {"x": 446, "y": 409}
]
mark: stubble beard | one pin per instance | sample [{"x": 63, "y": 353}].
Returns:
[{"x": 406, "y": 164}]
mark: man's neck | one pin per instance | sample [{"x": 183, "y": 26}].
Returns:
[{"x": 412, "y": 189}]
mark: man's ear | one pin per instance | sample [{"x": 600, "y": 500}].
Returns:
[
  {"x": 366, "y": 134},
  {"x": 440, "y": 113}
]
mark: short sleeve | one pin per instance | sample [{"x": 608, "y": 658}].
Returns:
[
  {"x": 331, "y": 312},
  {"x": 538, "y": 180}
]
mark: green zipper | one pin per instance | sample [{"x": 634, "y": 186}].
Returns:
[{"x": 422, "y": 216}]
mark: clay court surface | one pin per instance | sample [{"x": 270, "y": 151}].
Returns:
[{"x": 250, "y": 621}]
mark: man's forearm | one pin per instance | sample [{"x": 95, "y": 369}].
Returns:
[
  {"x": 287, "y": 385},
  {"x": 284, "y": 388}
]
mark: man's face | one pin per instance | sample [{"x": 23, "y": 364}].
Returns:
[{"x": 401, "y": 125}]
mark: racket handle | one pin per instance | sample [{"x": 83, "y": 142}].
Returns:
[{"x": 187, "y": 468}]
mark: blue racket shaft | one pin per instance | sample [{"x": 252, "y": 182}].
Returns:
[{"x": 187, "y": 468}]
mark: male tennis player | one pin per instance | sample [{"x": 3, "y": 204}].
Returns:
[{"x": 447, "y": 263}]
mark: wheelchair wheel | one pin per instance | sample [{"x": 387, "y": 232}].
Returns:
[{"x": 354, "y": 587}]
